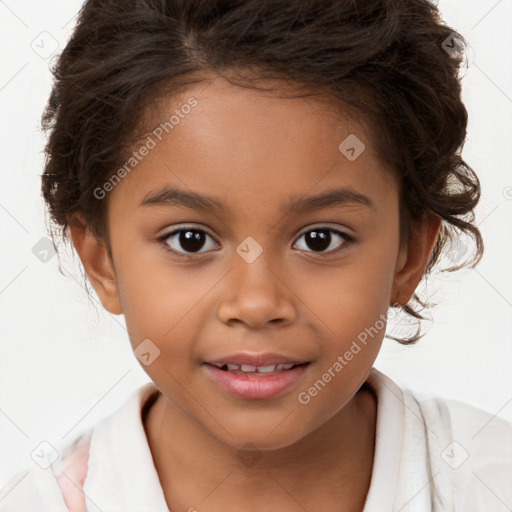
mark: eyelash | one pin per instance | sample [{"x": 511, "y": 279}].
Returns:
[{"x": 163, "y": 240}]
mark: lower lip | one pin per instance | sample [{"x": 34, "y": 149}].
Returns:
[{"x": 255, "y": 386}]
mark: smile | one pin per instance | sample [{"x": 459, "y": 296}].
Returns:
[
  {"x": 247, "y": 368},
  {"x": 255, "y": 382}
]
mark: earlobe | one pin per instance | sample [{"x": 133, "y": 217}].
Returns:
[
  {"x": 96, "y": 262},
  {"x": 413, "y": 261}
]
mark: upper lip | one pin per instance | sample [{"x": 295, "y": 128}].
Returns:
[{"x": 261, "y": 359}]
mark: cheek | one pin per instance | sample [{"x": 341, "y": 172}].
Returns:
[
  {"x": 162, "y": 300},
  {"x": 351, "y": 302},
  {"x": 357, "y": 289}
]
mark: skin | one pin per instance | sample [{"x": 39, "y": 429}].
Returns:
[{"x": 253, "y": 152}]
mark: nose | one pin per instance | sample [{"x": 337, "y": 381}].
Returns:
[{"x": 256, "y": 294}]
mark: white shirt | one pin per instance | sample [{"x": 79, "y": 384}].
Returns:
[{"x": 431, "y": 455}]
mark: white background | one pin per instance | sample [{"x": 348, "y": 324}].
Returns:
[{"x": 65, "y": 364}]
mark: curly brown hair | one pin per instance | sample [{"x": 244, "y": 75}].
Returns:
[{"x": 393, "y": 63}]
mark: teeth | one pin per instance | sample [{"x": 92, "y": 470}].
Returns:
[
  {"x": 259, "y": 369},
  {"x": 265, "y": 369}
]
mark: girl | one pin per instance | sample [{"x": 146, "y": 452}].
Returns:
[{"x": 253, "y": 184}]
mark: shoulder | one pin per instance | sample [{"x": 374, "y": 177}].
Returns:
[
  {"x": 58, "y": 482},
  {"x": 470, "y": 451},
  {"x": 477, "y": 431},
  {"x": 461, "y": 453},
  {"x": 52, "y": 484}
]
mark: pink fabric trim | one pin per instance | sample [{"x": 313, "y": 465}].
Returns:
[{"x": 72, "y": 473}]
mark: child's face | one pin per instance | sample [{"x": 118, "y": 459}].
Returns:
[{"x": 254, "y": 154}]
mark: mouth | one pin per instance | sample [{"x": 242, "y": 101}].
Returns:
[
  {"x": 267, "y": 370},
  {"x": 250, "y": 382}
]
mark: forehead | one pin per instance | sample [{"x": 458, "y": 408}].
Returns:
[{"x": 239, "y": 143}]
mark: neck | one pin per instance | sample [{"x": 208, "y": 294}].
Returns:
[{"x": 331, "y": 465}]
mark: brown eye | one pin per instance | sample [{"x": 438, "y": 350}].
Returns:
[
  {"x": 186, "y": 240},
  {"x": 320, "y": 239}
]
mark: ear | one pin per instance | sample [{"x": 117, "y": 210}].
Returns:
[
  {"x": 413, "y": 260},
  {"x": 97, "y": 264}
]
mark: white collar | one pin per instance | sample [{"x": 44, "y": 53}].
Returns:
[
  {"x": 389, "y": 436},
  {"x": 122, "y": 475}
]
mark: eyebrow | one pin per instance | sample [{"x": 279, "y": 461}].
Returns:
[{"x": 172, "y": 196}]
